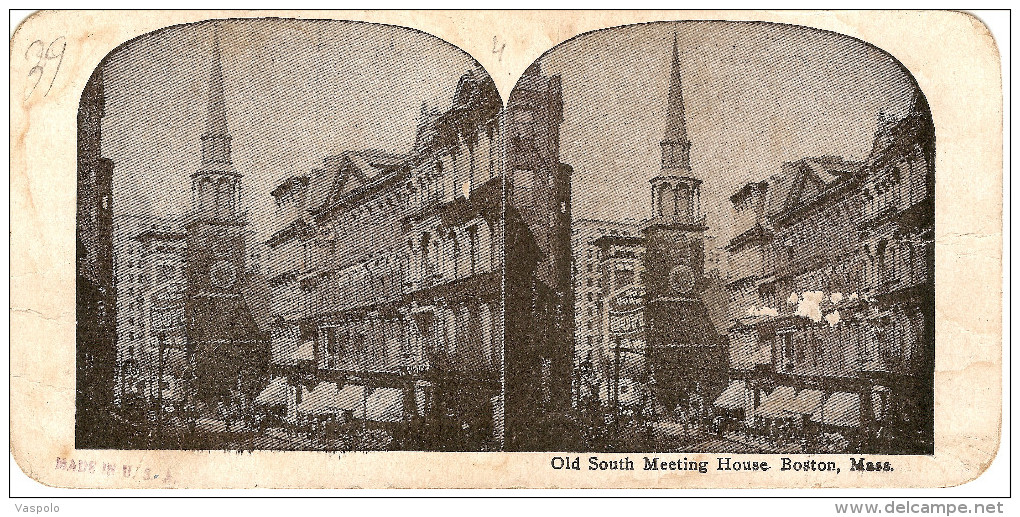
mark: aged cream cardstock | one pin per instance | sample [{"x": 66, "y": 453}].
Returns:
[{"x": 952, "y": 56}]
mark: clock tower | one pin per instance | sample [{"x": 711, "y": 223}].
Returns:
[
  {"x": 687, "y": 356},
  {"x": 222, "y": 335}
]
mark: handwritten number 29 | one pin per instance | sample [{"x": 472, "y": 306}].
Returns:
[{"x": 43, "y": 54}]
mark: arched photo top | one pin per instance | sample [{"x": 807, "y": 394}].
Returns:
[
  {"x": 754, "y": 95},
  {"x": 745, "y": 231},
  {"x": 250, "y": 192},
  {"x": 295, "y": 92}
]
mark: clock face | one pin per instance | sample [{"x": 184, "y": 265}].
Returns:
[
  {"x": 164, "y": 271},
  {"x": 222, "y": 274},
  {"x": 681, "y": 279}
]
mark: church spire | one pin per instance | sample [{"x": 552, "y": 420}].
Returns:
[
  {"x": 676, "y": 146},
  {"x": 216, "y": 139}
]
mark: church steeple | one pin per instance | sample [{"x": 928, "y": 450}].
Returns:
[
  {"x": 676, "y": 147},
  {"x": 216, "y": 139},
  {"x": 676, "y": 191},
  {"x": 216, "y": 186}
]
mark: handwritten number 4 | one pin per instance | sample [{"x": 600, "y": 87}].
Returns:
[{"x": 43, "y": 54}]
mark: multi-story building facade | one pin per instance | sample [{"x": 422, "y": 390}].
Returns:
[
  {"x": 158, "y": 312},
  {"x": 897, "y": 240},
  {"x": 139, "y": 263},
  {"x": 829, "y": 290},
  {"x": 618, "y": 365},
  {"x": 538, "y": 293},
  {"x": 96, "y": 293},
  {"x": 786, "y": 265},
  {"x": 385, "y": 277},
  {"x": 589, "y": 343}
]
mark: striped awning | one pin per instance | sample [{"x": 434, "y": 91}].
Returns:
[
  {"x": 275, "y": 394},
  {"x": 779, "y": 403},
  {"x": 733, "y": 397},
  {"x": 842, "y": 409},
  {"x": 352, "y": 398},
  {"x": 385, "y": 405},
  {"x": 320, "y": 401},
  {"x": 807, "y": 402}
]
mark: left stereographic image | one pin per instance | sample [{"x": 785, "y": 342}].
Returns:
[{"x": 289, "y": 236}]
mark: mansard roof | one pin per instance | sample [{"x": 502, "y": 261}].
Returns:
[
  {"x": 475, "y": 102},
  {"x": 895, "y": 138},
  {"x": 349, "y": 172},
  {"x": 801, "y": 181}
]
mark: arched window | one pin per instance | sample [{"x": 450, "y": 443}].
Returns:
[
  {"x": 223, "y": 195},
  {"x": 488, "y": 351},
  {"x": 474, "y": 260},
  {"x": 438, "y": 261},
  {"x": 683, "y": 202},
  {"x": 427, "y": 266},
  {"x": 487, "y": 258},
  {"x": 879, "y": 260},
  {"x": 667, "y": 201},
  {"x": 450, "y": 330},
  {"x": 206, "y": 194},
  {"x": 454, "y": 254}
]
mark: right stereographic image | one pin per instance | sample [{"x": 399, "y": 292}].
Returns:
[{"x": 719, "y": 238}]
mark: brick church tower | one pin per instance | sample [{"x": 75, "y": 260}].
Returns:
[
  {"x": 687, "y": 357},
  {"x": 222, "y": 336}
]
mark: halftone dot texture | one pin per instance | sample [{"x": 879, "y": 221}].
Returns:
[
  {"x": 374, "y": 253},
  {"x": 809, "y": 146},
  {"x": 755, "y": 95}
]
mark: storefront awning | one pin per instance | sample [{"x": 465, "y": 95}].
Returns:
[
  {"x": 275, "y": 393},
  {"x": 807, "y": 402},
  {"x": 320, "y": 401},
  {"x": 305, "y": 352},
  {"x": 733, "y": 397},
  {"x": 842, "y": 409},
  {"x": 779, "y": 403},
  {"x": 351, "y": 398},
  {"x": 386, "y": 405}
]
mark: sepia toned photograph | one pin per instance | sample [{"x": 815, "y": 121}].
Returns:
[
  {"x": 718, "y": 238},
  {"x": 506, "y": 250},
  {"x": 749, "y": 265},
  {"x": 289, "y": 237}
]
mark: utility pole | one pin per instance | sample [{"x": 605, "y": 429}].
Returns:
[
  {"x": 159, "y": 382},
  {"x": 616, "y": 391}
]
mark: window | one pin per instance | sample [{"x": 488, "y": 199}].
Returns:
[
  {"x": 799, "y": 351},
  {"x": 546, "y": 380},
  {"x": 330, "y": 337},
  {"x": 473, "y": 246},
  {"x": 787, "y": 343},
  {"x": 816, "y": 350},
  {"x": 456, "y": 254}
]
